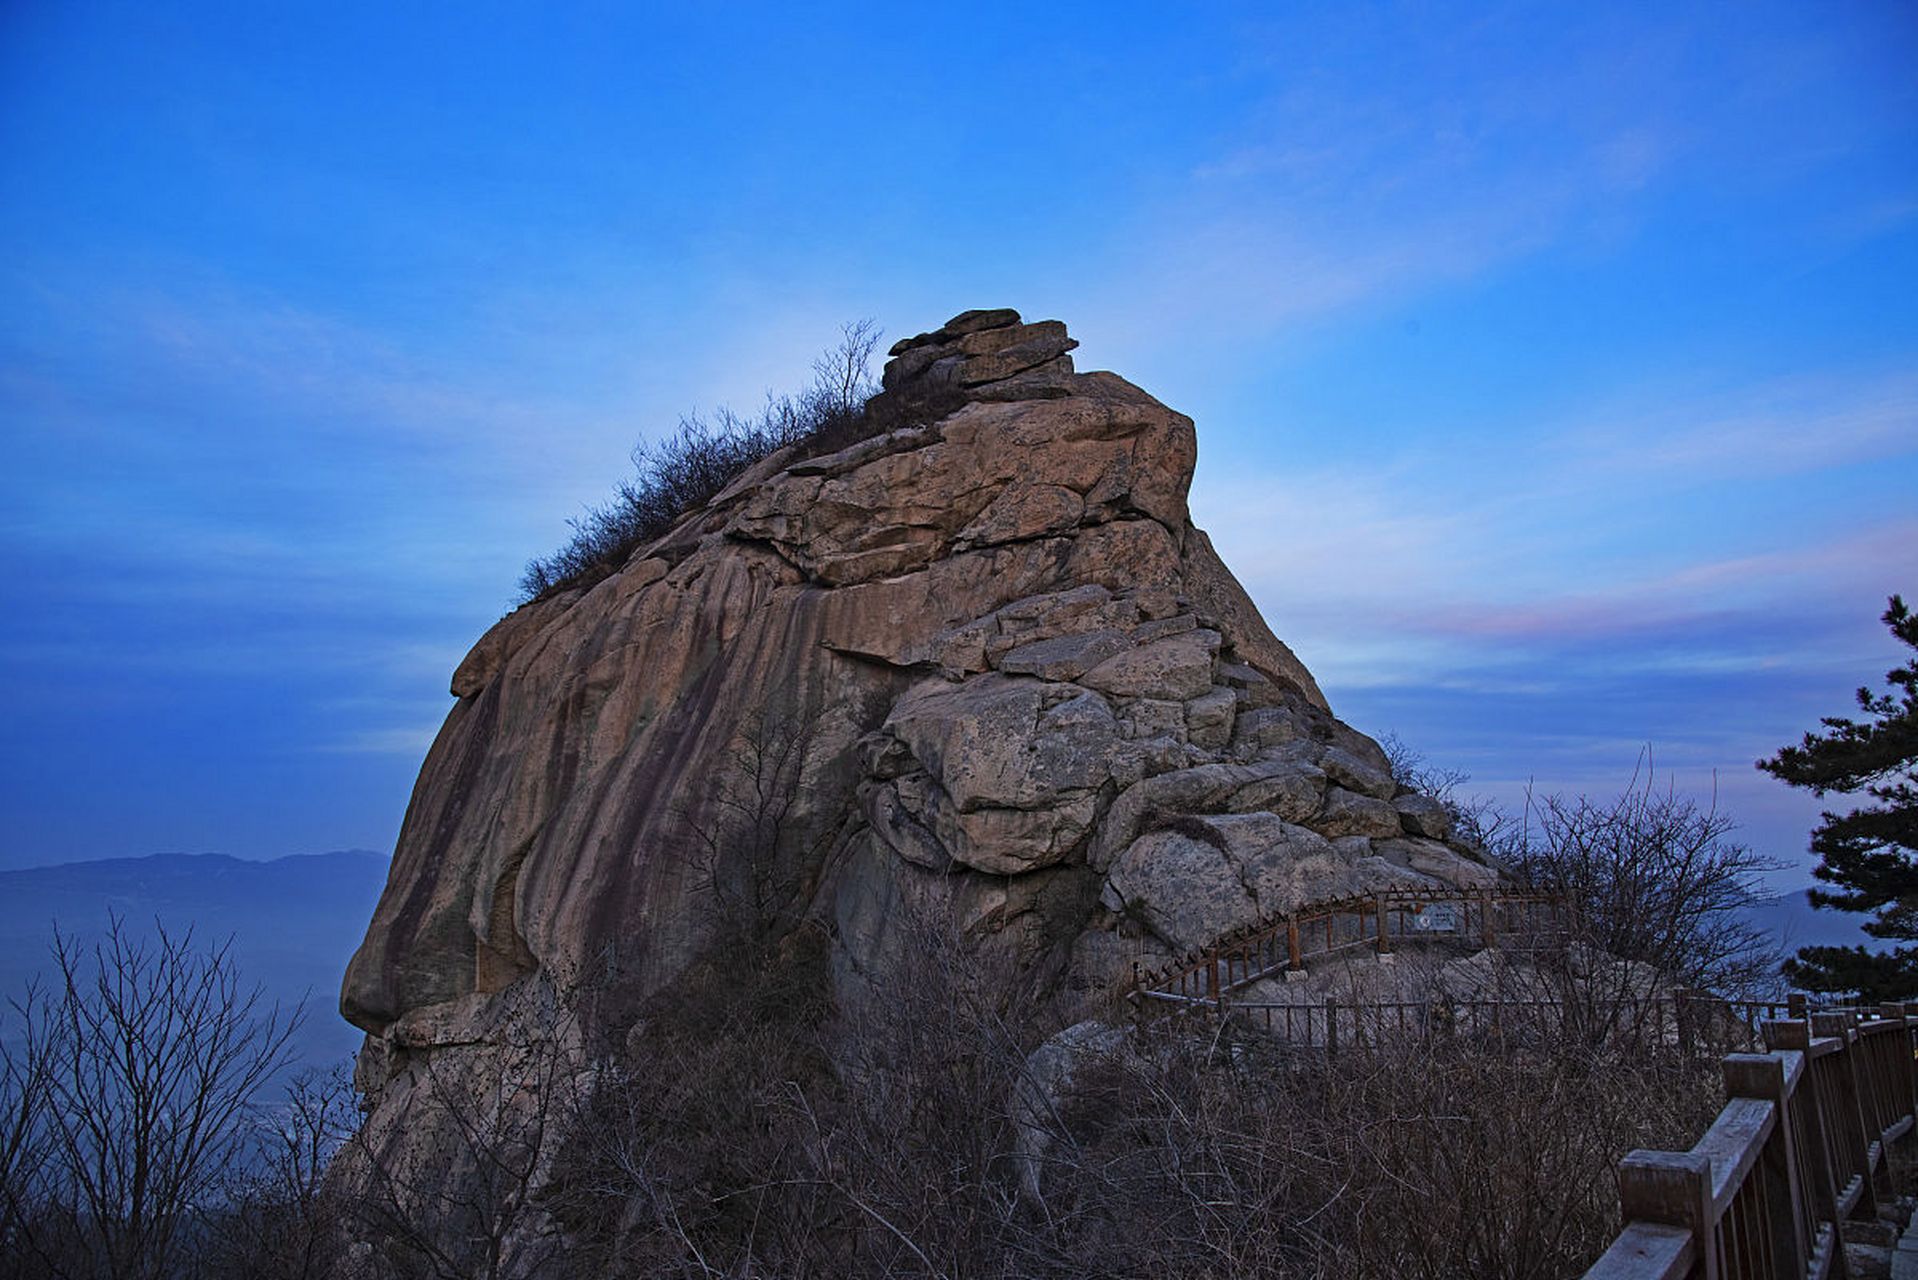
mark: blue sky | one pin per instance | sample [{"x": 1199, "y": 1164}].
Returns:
[{"x": 1556, "y": 367}]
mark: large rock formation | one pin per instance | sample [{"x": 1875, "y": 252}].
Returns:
[{"x": 980, "y": 669}]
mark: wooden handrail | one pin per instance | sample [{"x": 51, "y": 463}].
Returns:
[
  {"x": 1669, "y": 1022},
  {"x": 1283, "y": 942},
  {"x": 1799, "y": 1146}
]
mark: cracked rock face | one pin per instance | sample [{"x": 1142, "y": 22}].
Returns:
[{"x": 992, "y": 672}]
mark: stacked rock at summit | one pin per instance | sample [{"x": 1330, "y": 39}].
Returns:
[
  {"x": 1006, "y": 685},
  {"x": 982, "y": 355}
]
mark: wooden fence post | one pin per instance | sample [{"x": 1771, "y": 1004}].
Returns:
[
  {"x": 1765, "y": 1076},
  {"x": 1378, "y": 907},
  {"x": 1487, "y": 926},
  {"x": 1673, "y": 1188},
  {"x": 1849, "y": 1103},
  {"x": 1911, "y": 1048},
  {"x": 1331, "y": 1024},
  {"x": 1794, "y": 1035},
  {"x": 1905, "y": 1065},
  {"x": 1292, "y": 945}
]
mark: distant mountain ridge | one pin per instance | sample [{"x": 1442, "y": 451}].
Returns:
[{"x": 294, "y": 921}]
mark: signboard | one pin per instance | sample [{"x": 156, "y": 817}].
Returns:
[{"x": 1439, "y": 917}]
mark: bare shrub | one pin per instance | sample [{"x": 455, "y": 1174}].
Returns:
[
  {"x": 754, "y": 1129},
  {"x": 26, "y": 1143},
  {"x": 923, "y": 1144},
  {"x": 685, "y": 1158},
  {"x": 1497, "y": 1164},
  {"x": 277, "y": 1221},
  {"x": 1476, "y": 819},
  {"x": 448, "y": 1181},
  {"x": 749, "y": 1128},
  {"x": 129, "y": 1088},
  {"x": 744, "y": 851},
  {"x": 1203, "y": 1152},
  {"x": 685, "y": 468},
  {"x": 1655, "y": 877}
]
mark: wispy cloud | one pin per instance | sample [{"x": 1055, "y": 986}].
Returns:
[
  {"x": 410, "y": 742},
  {"x": 1591, "y": 555},
  {"x": 1352, "y": 186},
  {"x": 1778, "y": 427},
  {"x": 1698, "y": 593}
]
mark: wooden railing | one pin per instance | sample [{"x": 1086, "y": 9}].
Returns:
[
  {"x": 1681, "y": 1021},
  {"x": 1375, "y": 922},
  {"x": 1685, "y": 1022},
  {"x": 1800, "y": 1146}
]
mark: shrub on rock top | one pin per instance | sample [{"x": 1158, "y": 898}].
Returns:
[{"x": 681, "y": 471}]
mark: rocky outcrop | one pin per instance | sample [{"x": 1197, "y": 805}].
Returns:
[{"x": 978, "y": 670}]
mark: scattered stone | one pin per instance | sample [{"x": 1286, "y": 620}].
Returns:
[
  {"x": 1209, "y": 875},
  {"x": 1049, "y": 381},
  {"x": 1155, "y": 718},
  {"x": 1440, "y": 861},
  {"x": 988, "y": 341},
  {"x": 1014, "y": 359},
  {"x": 1209, "y": 718},
  {"x": 1347, "y": 813},
  {"x": 980, "y": 356},
  {"x": 1026, "y": 512},
  {"x": 1424, "y": 816},
  {"x": 1290, "y": 789},
  {"x": 1355, "y": 774},
  {"x": 1157, "y": 602},
  {"x": 1176, "y": 668},
  {"x": 1265, "y": 727},
  {"x": 1044, "y": 1098},
  {"x": 892, "y": 809},
  {"x": 1162, "y": 627},
  {"x": 974, "y": 321},
  {"x": 1064, "y": 657},
  {"x": 910, "y": 365}
]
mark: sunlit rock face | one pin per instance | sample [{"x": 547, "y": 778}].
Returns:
[{"x": 988, "y": 669}]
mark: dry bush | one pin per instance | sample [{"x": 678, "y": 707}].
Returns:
[
  {"x": 275, "y": 1220},
  {"x": 1657, "y": 878},
  {"x": 1657, "y": 875},
  {"x": 1234, "y": 1157},
  {"x": 684, "y": 469},
  {"x": 743, "y": 839},
  {"x": 685, "y": 1159},
  {"x": 128, "y": 1088},
  {"x": 745, "y": 1126},
  {"x": 752, "y": 1130},
  {"x": 449, "y": 1178},
  {"x": 1490, "y": 1164}
]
